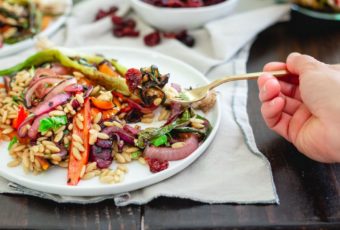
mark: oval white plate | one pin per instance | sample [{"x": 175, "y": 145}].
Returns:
[
  {"x": 51, "y": 29},
  {"x": 54, "y": 180}
]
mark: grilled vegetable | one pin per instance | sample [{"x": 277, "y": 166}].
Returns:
[{"x": 72, "y": 61}]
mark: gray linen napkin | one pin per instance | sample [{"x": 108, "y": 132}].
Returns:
[{"x": 232, "y": 169}]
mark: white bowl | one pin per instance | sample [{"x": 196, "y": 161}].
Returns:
[{"x": 176, "y": 19}]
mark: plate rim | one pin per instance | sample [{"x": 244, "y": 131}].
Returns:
[{"x": 87, "y": 190}]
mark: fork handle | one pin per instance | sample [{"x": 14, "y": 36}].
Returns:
[{"x": 248, "y": 76}]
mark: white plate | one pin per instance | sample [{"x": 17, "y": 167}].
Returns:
[
  {"x": 51, "y": 29},
  {"x": 54, "y": 180}
]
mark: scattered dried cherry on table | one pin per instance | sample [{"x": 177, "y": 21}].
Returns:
[
  {"x": 103, "y": 13},
  {"x": 183, "y": 3},
  {"x": 152, "y": 39}
]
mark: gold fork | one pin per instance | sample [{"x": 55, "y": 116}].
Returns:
[{"x": 197, "y": 94}]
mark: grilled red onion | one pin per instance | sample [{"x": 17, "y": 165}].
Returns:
[
  {"x": 176, "y": 110},
  {"x": 74, "y": 88},
  {"x": 59, "y": 88},
  {"x": 137, "y": 106},
  {"x": 172, "y": 154},
  {"x": 40, "y": 73},
  {"x": 7, "y": 82},
  {"x": 131, "y": 130},
  {"x": 48, "y": 105},
  {"x": 33, "y": 131},
  {"x": 59, "y": 69},
  {"x": 125, "y": 136},
  {"x": 88, "y": 91},
  {"x": 104, "y": 143},
  {"x": 39, "y": 88}
]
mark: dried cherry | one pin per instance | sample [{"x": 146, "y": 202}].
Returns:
[
  {"x": 152, "y": 39},
  {"x": 156, "y": 165}
]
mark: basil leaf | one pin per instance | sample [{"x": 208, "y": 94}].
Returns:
[
  {"x": 12, "y": 142},
  {"x": 52, "y": 123}
]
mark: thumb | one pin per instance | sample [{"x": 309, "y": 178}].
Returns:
[{"x": 299, "y": 63}]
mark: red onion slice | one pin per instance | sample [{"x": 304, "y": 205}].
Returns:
[
  {"x": 48, "y": 105},
  {"x": 172, "y": 154},
  {"x": 7, "y": 82},
  {"x": 39, "y": 88},
  {"x": 59, "y": 88},
  {"x": 59, "y": 69},
  {"x": 42, "y": 72},
  {"x": 74, "y": 88},
  {"x": 33, "y": 131}
]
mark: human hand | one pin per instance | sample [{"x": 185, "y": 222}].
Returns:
[{"x": 304, "y": 107}]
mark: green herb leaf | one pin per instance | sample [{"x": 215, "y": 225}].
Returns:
[
  {"x": 52, "y": 123},
  {"x": 135, "y": 155},
  {"x": 161, "y": 140},
  {"x": 12, "y": 142}
]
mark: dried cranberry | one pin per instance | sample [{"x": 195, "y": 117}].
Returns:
[
  {"x": 116, "y": 20},
  {"x": 113, "y": 9},
  {"x": 118, "y": 32},
  {"x": 100, "y": 14},
  {"x": 152, "y": 39},
  {"x": 130, "y": 23},
  {"x": 133, "y": 78},
  {"x": 156, "y": 165},
  {"x": 185, "y": 38},
  {"x": 130, "y": 32}
]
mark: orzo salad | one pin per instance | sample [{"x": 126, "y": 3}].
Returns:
[{"x": 86, "y": 112}]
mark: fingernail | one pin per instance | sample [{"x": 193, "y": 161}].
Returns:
[{"x": 264, "y": 89}]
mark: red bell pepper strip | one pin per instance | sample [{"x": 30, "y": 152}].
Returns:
[
  {"x": 22, "y": 115},
  {"x": 75, "y": 166}
]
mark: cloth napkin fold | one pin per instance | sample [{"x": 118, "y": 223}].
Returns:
[{"x": 232, "y": 169}]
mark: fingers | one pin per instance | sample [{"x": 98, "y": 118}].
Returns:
[
  {"x": 286, "y": 88},
  {"x": 272, "y": 66},
  {"x": 299, "y": 64},
  {"x": 269, "y": 87},
  {"x": 297, "y": 121},
  {"x": 275, "y": 118}
]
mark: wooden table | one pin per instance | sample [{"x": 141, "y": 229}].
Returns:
[{"x": 309, "y": 191}]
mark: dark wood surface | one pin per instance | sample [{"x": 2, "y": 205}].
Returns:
[{"x": 308, "y": 191}]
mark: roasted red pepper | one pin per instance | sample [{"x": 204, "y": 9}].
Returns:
[
  {"x": 76, "y": 166},
  {"x": 22, "y": 115}
]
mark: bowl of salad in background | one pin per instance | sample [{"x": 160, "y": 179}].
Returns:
[
  {"x": 22, "y": 20},
  {"x": 182, "y": 15},
  {"x": 322, "y": 9}
]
